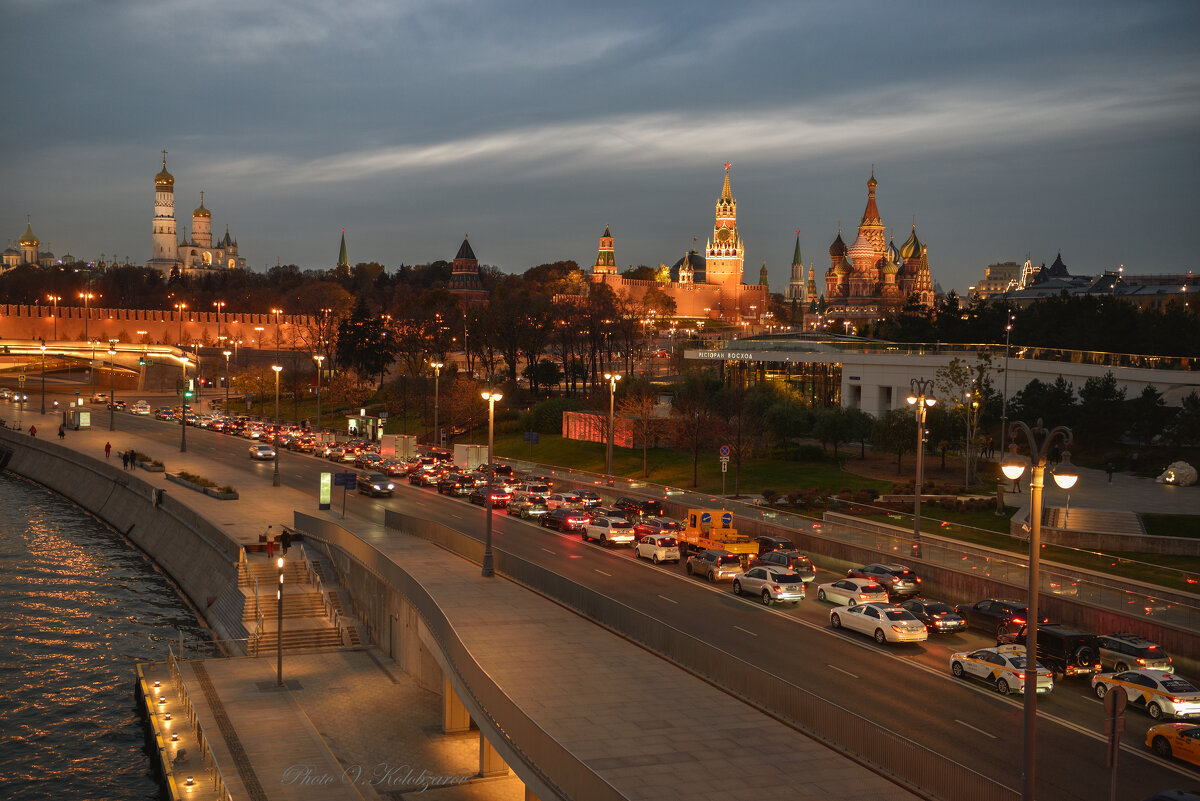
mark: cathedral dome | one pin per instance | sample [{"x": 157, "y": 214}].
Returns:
[
  {"x": 843, "y": 268},
  {"x": 838, "y": 249},
  {"x": 201, "y": 211},
  {"x": 29, "y": 239},
  {"x": 912, "y": 246},
  {"x": 862, "y": 249},
  {"x": 164, "y": 179}
]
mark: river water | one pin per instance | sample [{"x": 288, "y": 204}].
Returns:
[{"x": 79, "y": 607}]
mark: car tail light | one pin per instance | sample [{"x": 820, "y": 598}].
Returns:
[
  {"x": 1141, "y": 661},
  {"x": 1021, "y": 676},
  {"x": 898, "y": 628},
  {"x": 1018, "y": 620},
  {"x": 777, "y": 589},
  {"x": 862, "y": 596},
  {"x": 1178, "y": 700}
]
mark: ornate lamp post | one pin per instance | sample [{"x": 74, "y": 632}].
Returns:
[
  {"x": 220, "y": 306},
  {"x": 1004, "y": 396},
  {"x": 491, "y": 398},
  {"x": 87, "y": 296},
  {"x": 279, "y": 627},
  {"x": 55, "y": 299},
  {"x": 437, "y": 372},
  {"x": 179, "y": 307},
  {"x": 183, "y": 418},
  {"x": 921, "y": 400},
  {"x": 612, "y": 379},
  {"x": 1040, "y": 443},
  {"x": 226, "y": 354},
  {"x": 42, "y": 347},
  {"x": 112, "y": 384},
  {"x": 318, "y": 358},
  {"x": 278, "y": 368}
]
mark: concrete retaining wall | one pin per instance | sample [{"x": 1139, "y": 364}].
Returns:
[
  {"x": 1133, "y": 543},
  {"x": 197, "y": 555}
]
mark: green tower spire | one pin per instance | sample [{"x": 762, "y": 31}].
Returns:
[{"x": 343, "y": 260}]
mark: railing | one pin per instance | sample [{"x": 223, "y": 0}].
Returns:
[
  {"x": 256, "y": 635},
  {"x": 214, "y": 771},
  {"x": 331, "y": 610}
]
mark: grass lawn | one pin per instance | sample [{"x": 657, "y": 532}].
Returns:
[
  {"x": 1172, "y": 525},
  {"x": 674, "y": 468}
]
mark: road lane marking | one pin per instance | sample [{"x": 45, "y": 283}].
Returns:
[
  {"x": 974, "y": 728},
  {"x": 843, "y": 670},
  {"x": 457, "y": 517},
  {"x": 665, "y": 598},
  {"x": 751, "y": 633},
  {"x": 601, "y": 572},
  {"x": 547, "y": 550}
]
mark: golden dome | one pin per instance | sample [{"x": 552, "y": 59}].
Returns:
[
  {"x": 201, "y": 211},
  {"x": 164, "y": 178},
  {"x": 29, "y": 239}
]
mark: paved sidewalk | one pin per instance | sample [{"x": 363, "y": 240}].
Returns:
[{"x": 1126, "y": 493}]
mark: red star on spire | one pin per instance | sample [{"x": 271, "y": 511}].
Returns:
[
  {"x": 797, "y": 232},
  {"x": 727, "y": 165}
]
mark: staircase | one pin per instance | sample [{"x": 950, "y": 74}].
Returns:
[
  {"x": 1098, "y": 521},
  {"x": 306, "y": 624}
]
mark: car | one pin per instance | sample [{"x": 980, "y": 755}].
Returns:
[
  {"x": 99, "y": 397},
  {"x": 500, "y": 497},
  {"x": 528, "y": 509},
  {"x": 657, "y": 525},
  {"x": 1160, "y": 692},
  {"x": 535, "y": 489},
  {"x": 851, "y": 592},
  {"x": 374, "y": 484},
  {"x": 771, "y": 585},
  {"x": 453, "y": 484},
  {"x": 898, "y": 580},
  {"x": 261, "y": 450},
  {"x": 425, "y": 478},
  {"x": 614, "y": 530},
  {"x": 768, "y": 544},
  {"x": 564, "y": 519},
  {"x": 539, "y": 479},
  {"x": 502, "y": 470},
  {"x": 1003, "y": 667},
  {"x": 638, "y": 508},
  {"x": 938, "y": 617},
  {"x": 19, "y": 397},
  {"x": 714, "y": 564},
  {"x": 140, "y": 407},
  {"x": 883, "y": 621},
  {"x": 793, "y": 560},
  {"x": 5, "y": 394},
  {"x": 995, "y": 616},
  {"x": 117, "y": 405},
  {"x": 1122, "y": 651},
  {"x": 564, "y": 500},
  {"x": 657, "y": 548},
  {"x": 1067, "y": 651},
  {"x": 1179, "y": 740},
  {"x": 589, "y": 499}
]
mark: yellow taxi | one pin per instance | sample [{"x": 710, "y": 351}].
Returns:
[
  {"x": 1003, "y": 667},
  {"x": 1160, "y": 692},
  {"x": 1180, "y": 740}
]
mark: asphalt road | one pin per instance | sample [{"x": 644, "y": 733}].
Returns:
[{"x": 905, "y": 688}]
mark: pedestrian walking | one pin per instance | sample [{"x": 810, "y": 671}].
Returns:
[
  {"x": 132, "y": 458},
  {"x": 1110, "y": 469},
  {"x": 124, "y": 460},
  {"x": 62, "y": 431},
  {"x": 107, "y": 449},
  {"x": 270, "y": 542},
  {"x": 33, "y": 431},
  {"x": 285, "y": 539}
]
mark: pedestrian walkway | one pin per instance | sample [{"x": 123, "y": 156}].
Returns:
[
  {"x": 1126, "y": 493},
  {"x": 350, "y": 711}
]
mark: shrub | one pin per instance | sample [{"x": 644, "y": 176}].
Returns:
[
  {"x": 546, "y": 417},
  {"x": 770, "y": 496},
  {"x": 203, "y": 482},
  {"x": 228, "y": 490}
]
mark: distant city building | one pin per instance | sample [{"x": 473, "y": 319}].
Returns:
[
  {"x": 999, "y": 278},
  {"x": 1036, "y": 283},
  {"x": 171, "y": 257},
  {"x": 464, "y": 277},
  {"x": 709, "y": 285},
  {"x": 869, "y": 280},
  {"x": 28, "y": 251}
]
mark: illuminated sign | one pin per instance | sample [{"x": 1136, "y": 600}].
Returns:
[
  {"x": 725, "y": 354},
  {"x": 326, "y": 490}
]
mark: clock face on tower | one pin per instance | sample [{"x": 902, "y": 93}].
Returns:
[{"x": 723, "y": 234}]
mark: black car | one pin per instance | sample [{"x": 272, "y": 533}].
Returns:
[
  {"x": 1066, "y": 651},
  {"x": 454, "y": 484},
  {"x": 374, "y": 484},
  {"x": 791, "y": 559},
  {"x": 656, "y": 525},
  {"x": 768, "y": 544},
  {"x": 938, "y": 617},
  {"x": 631, "y": 507},
  {"x": 565, "y": 519},
  {"x": 995, "y": 616},
  {"x": 500, "y": 497},
  {"x": 590, "y": 499},
  {"x": 898, "y": 580}
]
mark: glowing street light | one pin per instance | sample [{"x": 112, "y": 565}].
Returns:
[
  {"x": 491, "y": 398},
  {"x": 87, "y": 296},
  {"x": 612, "y": 379},
  {"x": 437, "y": 372},
  {"x": 227, "y": 354},
  {"x": 1040, "y": 442},
  {"x": 920, "y": 398},
  {"x": 112, "y": 383},
  {"x": 278, "y": 368},
  {"x": 179, "y": 307},
  {"x": 220, "y": 306},
  {"x": 55, "y": 299},
  {"x": 318, "y": 359},
  {"x": 42, "y": 347}
]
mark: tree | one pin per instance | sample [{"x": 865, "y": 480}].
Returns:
[
  {"x": 365, "y": 344},
  {"x": 895, "y": 432},
  {"x": 1149, "y": 414},
  {"x": 1184, "y": 429},
  {"x": 694, "y": 421},
  {"x": 1053, "y": 403},
  {"x": 788, "y": 418},
  {"x": 638, "y": 405},
  {"x": 1103, "y": 416},
  {"x": 859, "y": 426},
  {"x": 831, "y": 427}
]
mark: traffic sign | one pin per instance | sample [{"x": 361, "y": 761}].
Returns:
[
  {"x": 724, "y": 451},
  {"x": 21, "y": 380},
  {"x": 727, "y": 519},
  {"x": 705, "y": 517},
  {"x": 344, "y": 479}
]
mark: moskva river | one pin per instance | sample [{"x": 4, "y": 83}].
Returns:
[{"x": 79, "y": 607}]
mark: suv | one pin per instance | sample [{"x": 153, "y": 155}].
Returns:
[
  {"x": 1066, "y": 651},
  {"x": 899, "y": 581},
  {"x": 768, "y": 544},
  {"x": 614, "y": 530},
  {"x": 793, "y": 560},
  {"x": 1123, "y": 651},
  {"x": 994, "y": 615},
  {"x": 714, "y": 564}
]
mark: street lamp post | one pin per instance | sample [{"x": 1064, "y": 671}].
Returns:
[
  {"x": 1004, "y": 396},
  {"x": 921, "y": 400},
  {"x": 43, "y": 349},
  {"x": 183, "y": 418},
  {"x": 279, "y": 627},
  {"x": 179, "y": 307},
  {"x": 491, "y": 398},
  {"x": 55, "y": 299},
  {"x": 112, "y": 385},
  {"x": 226, "y": 354},
  {"x": 278, "y": 368},
  {"x": 87, "y": 296},
  {"x": 220, "y": 306},
  {"x": 437, "y": 372},
  {"x": 612, "y": 379},
  {"x": 1040, "y": 443},
  {"x": 318, "y": 359}
]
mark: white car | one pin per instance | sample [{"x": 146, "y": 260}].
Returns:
[
  {"x": 883, "y": 621},
  {"x": 262, "y": 450},
  {"x": 140, "y": 407},
  {"x": 852, "y": 592},
  {"x": 770, "y": 584},
  {"x": 615, "y": 530},
  {"x": 657, "y": 548},
  {"x": 4, "y": 394},
  {"x": 1160, "y": 692},
  {"x": 568, "y": 500},
  {"x": 1003, "y": 667}
]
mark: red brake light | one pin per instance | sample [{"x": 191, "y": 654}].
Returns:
[
  {"x": 863, "y": 596},
  {"x": 1141, "y": 661},
  {"x": 1021, "y": 676},
  {"x": 1017, "y": 620}
]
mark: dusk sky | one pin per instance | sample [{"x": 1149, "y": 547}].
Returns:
[{"x": 1006, "y": 129}]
